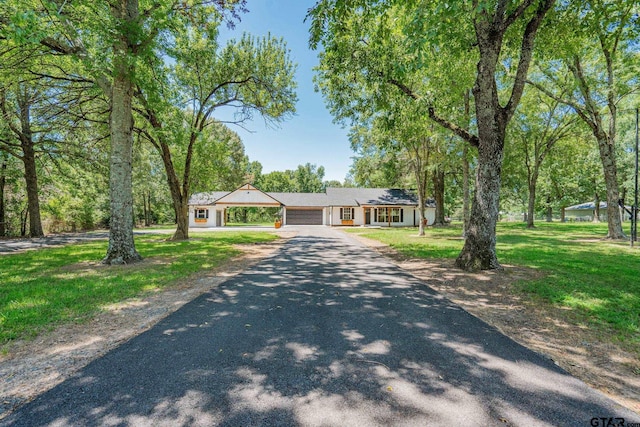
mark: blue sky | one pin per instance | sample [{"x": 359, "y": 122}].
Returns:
[{"x": 310, "y": 136}]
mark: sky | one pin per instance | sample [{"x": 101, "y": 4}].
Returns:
[{"x": 310, "y": 136}]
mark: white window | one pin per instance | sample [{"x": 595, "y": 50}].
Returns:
[
  {"x": 389, "y": 215},
  {"x": 396, "y": 215},
  {"x": 202, "y": 213},
  {"x": 346, "y": 214}
]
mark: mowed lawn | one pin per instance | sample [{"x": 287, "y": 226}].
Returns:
[
  {"x": 597, "y": 279},
  {"x": 43, "y": 288}
]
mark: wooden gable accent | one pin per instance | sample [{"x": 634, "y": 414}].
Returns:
[{"x": 248, "y": 195}]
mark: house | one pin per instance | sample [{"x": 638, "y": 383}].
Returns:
[
  {"x": 336, "y": 206},
  {"x": 586, "y": 212}
]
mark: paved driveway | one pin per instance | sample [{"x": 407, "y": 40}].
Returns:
[{"x": 325, "y": 333}]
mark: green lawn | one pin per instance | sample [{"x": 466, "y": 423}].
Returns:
[
  {"x": 598, "y": 279},
  {"x": 44, "y": 288}
]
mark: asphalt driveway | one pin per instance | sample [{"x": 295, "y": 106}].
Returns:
[{"x": 324, "y": 333}]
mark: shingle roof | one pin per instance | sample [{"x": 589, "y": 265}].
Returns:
[
  {"x": 586, "y": 206},
  {"x": 301, "y": 199},
  {"x": 373, "y": 197},
  {"x": 206, "y": 198},
  {"x": 332, "y": 197}
]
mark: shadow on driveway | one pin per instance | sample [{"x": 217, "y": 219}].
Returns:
[{"x": 325, "y": 333}]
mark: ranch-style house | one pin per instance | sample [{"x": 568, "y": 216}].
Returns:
[{"x": 385, "y": 207}]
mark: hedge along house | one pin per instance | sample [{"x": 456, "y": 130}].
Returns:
[{"x": 384, "y": 207}]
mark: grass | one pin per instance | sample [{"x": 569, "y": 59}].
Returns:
[
  {"x": 44, "y": 288},
  {"x": 598, "y": 280}
]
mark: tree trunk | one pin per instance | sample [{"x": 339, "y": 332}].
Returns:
[
  {"x": 182, "y": 223},
  {"x": 466, "y": 193},
  {"x": 596, "y": 209},
  {"x": 122, "y": 248},
  {"x": 438, "y": 194},
  {"x": 31, "y": 181},
  {"x": 30, "y": 171},
  {"x": 3, "y": 182},
  {"x": 479, "y": 250},
  {"x": 531, "y": 204},
  {"x": 23, "y": 221},
  {"x": 532, "y": 200},
  {"x": 607, "y": 156}
]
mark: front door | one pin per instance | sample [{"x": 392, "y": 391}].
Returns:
[
  {"x": 367, "y": 216},
  {"x": 218, "y": 218}
]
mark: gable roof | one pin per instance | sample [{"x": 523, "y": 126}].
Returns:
[{"x": 248, "y": 194}]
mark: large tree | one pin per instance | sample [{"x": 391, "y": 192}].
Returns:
[
  {"x": 500, "y": 34},
  {"x": 250, "y": 75}
]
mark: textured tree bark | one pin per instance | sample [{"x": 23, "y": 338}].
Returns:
[
  {"x": 466, "y": 193},
  {"x": 607, "y": 156},
  {"x": 532, "y": 201},
  {"x": 3, "y": 183},
  {"x": 122, "y": 248},
  {"x": 31, "y": 180},
  {"x": 30, "y": 171},
  {"x": 438, "y": 194},
  {"x": 596, "y": 208}
]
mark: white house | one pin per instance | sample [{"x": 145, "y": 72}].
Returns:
[{"x": 386, "y": 207}]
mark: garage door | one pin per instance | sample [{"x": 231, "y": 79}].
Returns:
[{"x": 304, "y": 216}]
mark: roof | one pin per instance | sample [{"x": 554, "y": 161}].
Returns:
[
  {"x": 206, "y": 198},
  {"x": 373, "y": 197},
  {"x": 331, "y": 197},
  {"x": 301, "y": 199},
  {"x": 586, "y": 206}
]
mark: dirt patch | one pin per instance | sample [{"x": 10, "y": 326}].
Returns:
[
  {"x": 29, "y": 368},
  {"x": 553, "y": 331}
]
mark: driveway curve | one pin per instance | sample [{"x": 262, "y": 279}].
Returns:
[{"x": 324, "y": 333}]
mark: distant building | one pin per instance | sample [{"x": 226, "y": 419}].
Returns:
[{"x": 587, "y": 211}]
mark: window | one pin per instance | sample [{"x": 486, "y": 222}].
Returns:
[
  {"x": 396, "y": 215},
  {"x": 389, "y": 215},
  {"x": 381, "y": 215},
  {"x": 346, "y": 214},
  {"x": 202, "y": 213}
]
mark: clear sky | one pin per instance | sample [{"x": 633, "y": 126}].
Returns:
[{"x": 310, "y": 136}]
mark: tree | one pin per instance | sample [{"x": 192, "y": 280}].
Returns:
[
  {"x": 21, "y": 142},
  {"x": 602, "y": 71},
  {"x": 538, "y": 126},
  {"x": 498, "y": 31},
  {"x": 111, "y": 42},
  {"x": 309, "y": 178},
  {"x": 249, "y": 75}
]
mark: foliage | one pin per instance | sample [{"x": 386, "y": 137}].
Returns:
[{"x": 44, "y": 288}]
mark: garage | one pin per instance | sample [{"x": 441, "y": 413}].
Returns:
[{"x": 304, "y": 217}]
